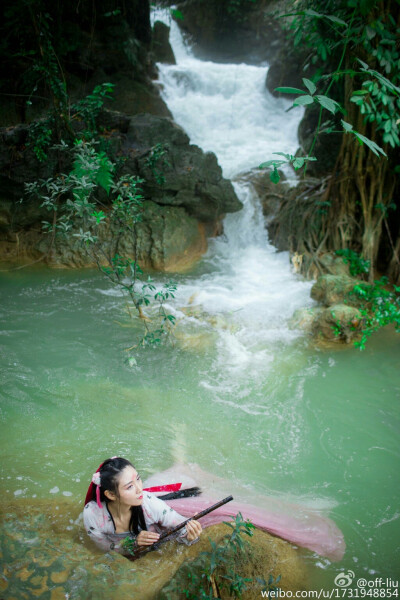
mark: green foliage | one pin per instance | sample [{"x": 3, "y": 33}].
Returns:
[
  {"x": 176, "y": 14},
  {"x": 332, "y": 106},
  {"x": 89, "y": 107},
  {"x": 336, "y": 328},
  {"x": 73, "y": 200},
  {"x": 379, "y": 98},
  {"x": 157, "y": 160},
  {"x": 218, "y": 567},
  {"x": 41, "y": 133},
  {"x": 90, "y": 167},
  {"x": 309, "y": 98},
  {"x": 297, "y": 162},
  {"x": 378, "y": 304},
  {"x": 357, "y": 264},
  {"x": 329, "y": 32},
  {"x": 40, "y": 137},
  {"x": 129, "y": 544},
  {"x": 381, "y": 307}
]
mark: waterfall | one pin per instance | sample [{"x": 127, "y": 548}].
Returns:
[{"x": 226, "y": 108}]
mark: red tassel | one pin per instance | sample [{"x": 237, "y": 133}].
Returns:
[
  {"x": 98, "y": 496},
  {"x": 171, "y": 487}
]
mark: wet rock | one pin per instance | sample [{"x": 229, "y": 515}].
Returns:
[
  {"x": 304, "y": 318},
  {"x": 161, "y": 47},
  {"x": 249, "y": 34},
  {"x": 185, "y": 195},
  {"x": 67, "y": 554},
  {"x": 105, "y": 41},
  {"x": 266, "y": 555},
  {"x": 59, "y": 576},
  {"x": 194, "y": 342},
  {"x": 189, "y": 177},
  {"x": 338, "y": 323},
  {"x": 38, "y": 585},
  {"x": 167, "y": 239},
  {"x": 333, "y": 264},
  {"x": 326, "y": 147},
  {"x": 58, "y": 593},
  {"x": 287, "y": 69},
  {"x": 134, "y": 97},
  {"x": 24, "y": 574},
  {"x": 334, "y": 289},
  {"x": 271, "y": 194}
]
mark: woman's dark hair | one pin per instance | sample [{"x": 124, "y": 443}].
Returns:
[{"x": 110, "y": 472}]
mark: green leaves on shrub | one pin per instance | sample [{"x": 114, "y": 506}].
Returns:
[{"x": 381, "y": 307}]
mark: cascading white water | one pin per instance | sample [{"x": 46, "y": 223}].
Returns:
[{"x": 227, "y": 109}]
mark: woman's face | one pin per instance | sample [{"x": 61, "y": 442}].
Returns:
[{"x": 130, "y": 487}]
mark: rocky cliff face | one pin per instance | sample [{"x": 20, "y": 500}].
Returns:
[
  {"x": 112, "y": 41},
  {"x": 185, "y": 194},
  {"x": 224, "y": 31}
]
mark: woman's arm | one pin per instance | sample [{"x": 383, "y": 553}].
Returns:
[{"x": 157, "y": 511}]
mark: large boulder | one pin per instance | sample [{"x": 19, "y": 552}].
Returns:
[
  {"x": 338, "y": 323},
  {"x": 167, "y": 239},
  {"x": 161, "y": 47},
  {"x": 183, "y": 175},
  {"x": 185, "y": 194}
]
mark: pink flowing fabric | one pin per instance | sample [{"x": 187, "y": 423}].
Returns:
[{"x": 316, "y": 533}]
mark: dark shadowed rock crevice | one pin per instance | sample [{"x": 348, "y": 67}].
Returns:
[{"x": 220, "y": 31}]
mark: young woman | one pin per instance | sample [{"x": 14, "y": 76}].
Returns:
[{"x": 116, "y": 506}]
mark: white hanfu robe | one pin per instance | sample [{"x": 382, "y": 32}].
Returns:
[{"x": 100, "y": 526}]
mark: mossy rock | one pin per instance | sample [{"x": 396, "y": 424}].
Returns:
[
  {"x": 338, "y": 323},
  {"x": 334, "y": 289},
  {"x": 264, "y": 555},
  {"x": 305, "y": 318}
]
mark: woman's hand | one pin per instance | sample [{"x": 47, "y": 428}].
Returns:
[
  {"x": 194, "y": 530},
  {"x": 147, "y": 538}
]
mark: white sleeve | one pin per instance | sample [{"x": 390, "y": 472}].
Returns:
[{"x": 157, "y": 511}]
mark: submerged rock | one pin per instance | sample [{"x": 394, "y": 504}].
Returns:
[{"x": 40, "y": 556}]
